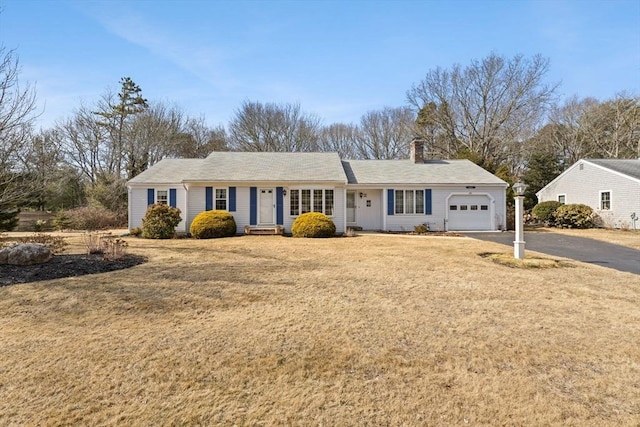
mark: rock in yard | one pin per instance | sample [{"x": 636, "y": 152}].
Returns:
[{"x": 25, "y": 254}]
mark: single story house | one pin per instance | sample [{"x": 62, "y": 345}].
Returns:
[
  {"x": 611, "y": 187},
  {"x": 264, "y": 189}
]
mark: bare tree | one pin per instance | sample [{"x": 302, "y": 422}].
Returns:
[
  {"x": 86, "y": 146},
  {"x": 17, "y": 113},
  {"x": 565, "y": 135},
  {"x": 613, "y": 127},
  {"x": 340, "y": 138},
  {"x": 273, "y": 127},
  {"x": 197, "y": 140},
  {"x": 484, "y": 108},
  {"x": 385, "y": 134}
]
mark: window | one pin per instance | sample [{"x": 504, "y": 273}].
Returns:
[
  {"x": 562, "y": 198},
  {"x": 317, "y": 200},
  {"x": 484, "y": 207},
  {"x": 294, "y": 202},
  {"x": 303, "y": 201},
  {"x": 221, "y": 199},
  {"x": 409, "y": 202},
  {"x": 162, "y": 196},
  {"x": 328, "y": 202},
  {"x": 605, "y": 200},
  {"x": 453, "y": 207},
  {"x": 474, "y": 207},
  {"x": 306, "y": 201},
  {"x": 463, "y": 207}
]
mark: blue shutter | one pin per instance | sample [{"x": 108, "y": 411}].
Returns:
[
  {"x": 253, "y": 206},
  {"x": 390, "y": 200},
  {"x": 150, "y": 196},
  {"x": 232, "y": 199},
  {"x": 208, "y": 198},
  {"x": 279, "y": 206},
  {"x": 172, "y": 197},
  {"x": 427, "y": 201}
]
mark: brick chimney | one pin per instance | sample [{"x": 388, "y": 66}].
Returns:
[{"x": 417, "y": 150}]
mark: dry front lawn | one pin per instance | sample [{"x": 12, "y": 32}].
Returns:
[{"x": 372, "y": 330}]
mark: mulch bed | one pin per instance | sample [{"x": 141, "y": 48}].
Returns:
[{"x": 65, "y": 266}]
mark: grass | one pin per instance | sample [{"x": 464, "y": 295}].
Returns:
[
  {"x": 630, "y": 238},
  {"x": 370, "y": 330}
]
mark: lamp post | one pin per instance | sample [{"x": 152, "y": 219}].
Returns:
[{"x": 518, "y": 243}]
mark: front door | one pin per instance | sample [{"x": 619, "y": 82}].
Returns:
[
  {"x": 267, "y": 206},
  {"x": 351, "y": 207}
]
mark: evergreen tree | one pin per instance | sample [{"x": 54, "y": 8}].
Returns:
[
  {"x": 542, "y": 168},
  {"x": 8, "y": 220}
]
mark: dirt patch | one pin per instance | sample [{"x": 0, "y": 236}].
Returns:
[
  {"x": 64, "y": 266},
  {"x": 529, "y": 262}
]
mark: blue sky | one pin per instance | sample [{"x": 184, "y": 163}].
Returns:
[{"x": 338, "y": 59}]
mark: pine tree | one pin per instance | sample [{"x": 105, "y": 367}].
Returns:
[{"x": 8, "y": 220}]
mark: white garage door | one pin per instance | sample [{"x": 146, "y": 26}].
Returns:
[{"x": 469, "y": 212}]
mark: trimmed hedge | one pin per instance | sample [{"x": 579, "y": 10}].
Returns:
[
  {"x": 575, "y": 216},
  {"x": 160, "y": 221},
  {"x": 313, "y": 224},
  {"x": 212, "y": 224},
  {"x": 544, "y": 211}
]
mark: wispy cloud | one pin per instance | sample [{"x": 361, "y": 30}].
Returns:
[{"x": 205, "y": 62}]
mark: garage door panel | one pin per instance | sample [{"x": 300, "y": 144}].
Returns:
[{"x": 469, "y": 212}]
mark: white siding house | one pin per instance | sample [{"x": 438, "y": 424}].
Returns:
[
  {"x": 265, "y": 190},
  {"x": 611, "y": 187}
]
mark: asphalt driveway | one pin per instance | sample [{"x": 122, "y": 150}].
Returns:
[{"x": 577, "y": 248}]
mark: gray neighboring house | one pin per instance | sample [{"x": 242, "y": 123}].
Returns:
[
  {"x": 611, "y": 187},
  {"x": 267, "y": 190}
]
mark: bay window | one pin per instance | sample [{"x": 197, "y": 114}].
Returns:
[{"x": 307, "y": 200}]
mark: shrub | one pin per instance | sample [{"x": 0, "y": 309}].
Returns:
[
  {"x": 313, "y": 224},
  {"x": 421, "y": 229},
  {"x": 41, "y": 225},
  {"x": 93, "y": 218},
  {"x": 211, "y": 224},
  {"x": 57, "y": 244},
  {"x": 544, "y": 211},
  {"x": 160, "y": 221},
  {"x": 110, "y": 247},
  {"x": 61, "y": 221},
  {"x": 575, "y": 216},
  {"x": 136, "y": 231}
]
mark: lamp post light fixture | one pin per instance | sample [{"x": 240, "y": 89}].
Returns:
[{"x": 518, "y": 243}]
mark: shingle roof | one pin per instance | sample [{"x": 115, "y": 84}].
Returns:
[
  {"x": 626, "y": 167},
  {"x": 312, "y": 167},
  {"x": 168, "y": 171},
  {"x": 408, "y": 172},
  {"x": 248, "y": 167}
]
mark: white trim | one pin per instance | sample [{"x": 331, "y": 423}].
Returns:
[
  {"x": 562, "y": 195},
  {"x": 492, "y": 207}
]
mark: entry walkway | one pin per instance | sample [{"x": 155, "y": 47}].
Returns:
[{"x": 580, "y": 249}]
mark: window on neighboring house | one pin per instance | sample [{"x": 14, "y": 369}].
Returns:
[
  {"x": 221, "y": 199},
  {"x": 562, "y": 198},
  {"x": 409, "y": 202},
  {"x": 605, "y": 200},
  {"x": 303, "y": 201},
  {"x": 162, "y": 197}
]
